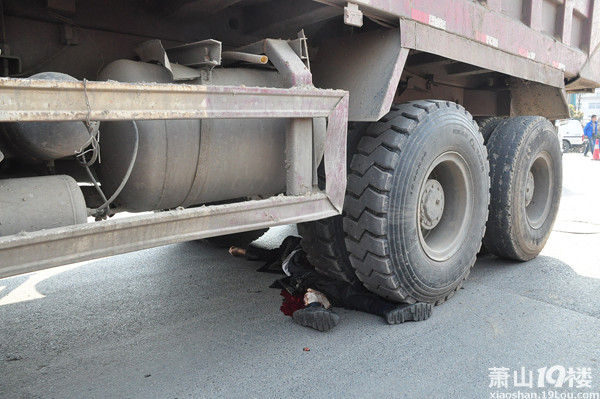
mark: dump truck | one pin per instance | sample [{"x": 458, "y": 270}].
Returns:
[{"x": 401, "y": 136}]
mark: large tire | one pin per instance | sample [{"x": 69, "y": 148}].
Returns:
[
  {"x": 526, "y": 175},
  {"x": 323, "y": 240},
  {"x": 487, "y": 124},
  {"x": 408, "y": 242}
]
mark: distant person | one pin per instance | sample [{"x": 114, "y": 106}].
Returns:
[
  {"x": 309, "y": 295},
  {"x": 591, "y": 132}
]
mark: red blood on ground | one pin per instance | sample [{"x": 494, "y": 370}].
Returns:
[{"x": 291, "y": 303}]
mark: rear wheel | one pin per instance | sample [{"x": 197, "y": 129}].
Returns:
[
  {"x": 487, "y": 124},
  {"x": 526, "y": 175},
  {"x": 323, "y": 240},
  {"x": 566, "y": 146},
  {"x": 416, "y": 204}
]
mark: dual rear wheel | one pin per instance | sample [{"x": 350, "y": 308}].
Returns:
[
  {"x": 526, "y": 175},
  {"x": 418, "y": 195}
]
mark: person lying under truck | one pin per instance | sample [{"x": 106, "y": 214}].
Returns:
[{"x": 308, "y": 295}]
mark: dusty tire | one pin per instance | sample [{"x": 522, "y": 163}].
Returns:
[
  {"x": 406, "y": 241},
  {"x": 526, "y": 177},
  {"x": 487, "y": 124},
  {"x": 323, "y": 240}
]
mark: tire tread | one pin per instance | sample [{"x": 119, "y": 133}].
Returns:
[
  {"x": 369, "y": 184},
  {"x": 504, "y": 146}
]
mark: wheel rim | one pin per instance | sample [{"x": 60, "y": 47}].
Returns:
[
  {"x": 445, "y": 204},
  {"x": 538, "y": 193}
]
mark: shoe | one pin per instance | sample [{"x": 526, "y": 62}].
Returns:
[
  {"x": 585, "y": 155},
  {"x": 317, "y": 317},
  {"x": 416, "y": 312}
]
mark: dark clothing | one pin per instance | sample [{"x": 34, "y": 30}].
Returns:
[
  {"x": 340, "y": 294},
  {"x": 303, "y": 276},
  {"x": 273, "y": 257}
]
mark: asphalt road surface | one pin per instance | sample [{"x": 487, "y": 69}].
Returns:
[{"x": 189, "y": 321}]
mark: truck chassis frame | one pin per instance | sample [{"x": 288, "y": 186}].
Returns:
[{"x": 31, "y": 100}]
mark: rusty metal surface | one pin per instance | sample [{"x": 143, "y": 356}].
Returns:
[
  {"x": 36, "y": 100},
  {"x": 288, "y": 63},
  {"x": 590, "y": 72},
  {"x": 529, "y": 98},
  {"x": 369, "y": 66},
  {"x": 47, "y": 248},
  {"x": 477, "y": 22},
  {"x": 425, "y": 38}
]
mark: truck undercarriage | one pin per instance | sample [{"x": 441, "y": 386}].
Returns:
[{"x": 222, "y": 117}]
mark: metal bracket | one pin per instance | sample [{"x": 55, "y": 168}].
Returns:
[
  {"x": 352, "y": 15},
  {"x": 290, "y": 58},
  {"x": 204, "y": 54},
  {"x": 37, "y": 100},
  {"x": 153, "y": 51},
  {"x": 283, "y": 56},
  {"x": 300, "y": 47}
]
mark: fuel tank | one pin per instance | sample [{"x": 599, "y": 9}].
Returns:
[
  {"x": 46, "y": 141},
  {"x": 191, "y": 162},
  {"x": 36, "y": 203}
]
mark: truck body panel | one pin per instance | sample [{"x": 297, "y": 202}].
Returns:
[{"x": 560, "y": 35}]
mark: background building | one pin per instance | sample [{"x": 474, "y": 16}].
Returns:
[{"x": 589, "y": 104}]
